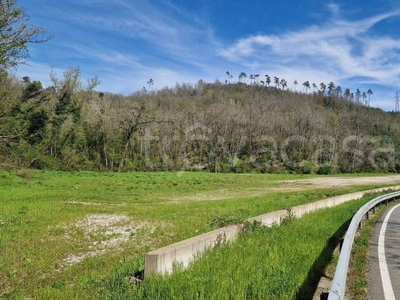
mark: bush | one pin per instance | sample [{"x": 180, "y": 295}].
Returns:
[{"x": 325, "y": 169}]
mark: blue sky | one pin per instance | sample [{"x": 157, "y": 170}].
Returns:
[{"x": 355, "y": 44}]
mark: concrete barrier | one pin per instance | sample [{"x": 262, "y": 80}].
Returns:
[{"x": 162, "y": 260}]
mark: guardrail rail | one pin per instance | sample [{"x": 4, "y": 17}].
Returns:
[{"x": 338, "y": 286}]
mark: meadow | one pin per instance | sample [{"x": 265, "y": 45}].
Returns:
[{"x": 83, "y": 235}]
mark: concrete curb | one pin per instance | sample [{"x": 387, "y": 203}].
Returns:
[{"x": 162, "y": 260}]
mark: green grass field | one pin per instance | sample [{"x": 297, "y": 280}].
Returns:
[
  {"x": 82, "y": 235},
  {"x": 280, "y": 262}
]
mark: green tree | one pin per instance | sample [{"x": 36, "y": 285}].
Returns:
[
  {"x": 229, "y": 75},
  {"x": 369, "y": 92},
  {"x": 16, "y": 33},
  {"x": 315, "y": 88},
  {"x": 150, "y": 83},
  {"x": 251, "y": 78},
  {"x": 338, "y": 91},
  {"x": 283, "y": 83},
  {"x": 347, "y": 93},
  {"x": 331, "y": 88},
  {"x": 66, "y": 121},
  {"x": 358, "y": 95},
  {"x": 295, "y": 83},
  {"x": 36, "y": 130},
  {"x": 306, "y": 86},
  {"x": 32, "y": 89},
  {"x": 276, "y": 81},
  {"x": 322, "y": 87},
  {"x": 364, "y": 96},
  {"x": 242, "y": 77},
  {"x": 267, "y": 79}
]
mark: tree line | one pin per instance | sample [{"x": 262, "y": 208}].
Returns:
[
  {"x": 206, "y": 126},
  {"x": 330, "y": 89}
]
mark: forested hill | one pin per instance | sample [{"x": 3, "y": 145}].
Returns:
[{"x": 212, "y": 127}]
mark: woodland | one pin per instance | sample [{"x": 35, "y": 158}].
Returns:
[{"x": 254, "y": 126}]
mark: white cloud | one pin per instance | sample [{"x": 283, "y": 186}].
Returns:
[
  {"x": 161, "y": 26},
  {"x": 340, "y": 48}
]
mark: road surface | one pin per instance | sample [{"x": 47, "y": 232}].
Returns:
[{"x": 384, "y": 260}]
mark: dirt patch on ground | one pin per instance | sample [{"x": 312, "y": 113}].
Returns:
[
  {"x": 102, "y": 233},
  {"x": 94, "y": 203},
  {"x": 292, "y": 186},
  {"x": 338, "y": 182}
]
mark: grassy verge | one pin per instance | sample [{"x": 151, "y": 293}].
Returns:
[
  {"x": 282, "y": 262},
  {"x": 64, "y": 235}
]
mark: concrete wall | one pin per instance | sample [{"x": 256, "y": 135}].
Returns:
[{"x": 163, "y": 259}]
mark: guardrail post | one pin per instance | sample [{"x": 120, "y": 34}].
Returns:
[{"x": 367, "y": 215}]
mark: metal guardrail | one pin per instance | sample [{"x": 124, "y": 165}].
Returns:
[{"x": 338, "y": 285}]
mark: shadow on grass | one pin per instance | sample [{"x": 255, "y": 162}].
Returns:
[{"x": 310, "y": 284}]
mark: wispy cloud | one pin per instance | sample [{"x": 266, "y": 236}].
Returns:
[
  {"x": 162, "y": 27},
  {"x": 339, "y": 49},
  {"x": 125, "y": 42}
]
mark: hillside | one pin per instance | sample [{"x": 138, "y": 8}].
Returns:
[{"x": 213, "y": 127}]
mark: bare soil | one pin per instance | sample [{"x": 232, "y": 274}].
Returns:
[
  {"x": 103, "y": 233},
  {"x": 338, "y": 182},
  {"x": 292, "y": 186}
]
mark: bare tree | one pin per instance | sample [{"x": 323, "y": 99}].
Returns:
[
  {"x": 15, "y": 33},
  {"x": 133, "y": 115}
]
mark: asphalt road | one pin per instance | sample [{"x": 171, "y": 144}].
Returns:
[{"x": 384, "y": 260}]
